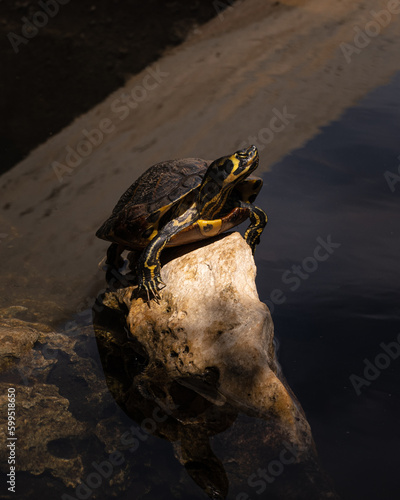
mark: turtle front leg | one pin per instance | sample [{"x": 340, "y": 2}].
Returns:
[
  {"x": 149, "y": 266},
  {"x": 258, "y": 219},
  {"x": 150, "y": 273}
]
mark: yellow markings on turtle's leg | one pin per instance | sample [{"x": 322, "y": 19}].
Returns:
[
  {"x": 255, "y": 222},
  {"x": 153, "y": 269},
  {"x": 150, "y": 268},
  {"x": 151, "y": 278},
  {"x": 210, "y": 227},
  {"x": 258, "y": 220}
]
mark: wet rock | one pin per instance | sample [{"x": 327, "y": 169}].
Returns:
[
  {"x": 15, "y": 342},
  {"x": 67, "y": 420},
  {"x": 205, "y": 356},
  {"x": 43, "y": 419},
  {"x": 60, "y": 398}
]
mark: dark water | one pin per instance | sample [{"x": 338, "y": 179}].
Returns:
[{"x": 339, "y": 310}]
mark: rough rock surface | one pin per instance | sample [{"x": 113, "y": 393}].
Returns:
[
  {"x": 66, "y": 418},
  {"x": 51, "y": 424},
  {"x": 207, "y": 359}
]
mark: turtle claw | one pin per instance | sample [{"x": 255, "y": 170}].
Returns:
[{"x": 151, "y": 287}]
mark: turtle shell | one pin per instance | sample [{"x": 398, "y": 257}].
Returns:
[{"x": 153, "y": 196}]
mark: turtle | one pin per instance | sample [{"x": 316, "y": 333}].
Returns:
[{"x": 176, "y": 202}]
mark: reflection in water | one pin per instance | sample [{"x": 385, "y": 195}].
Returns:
[
  {"x": 208, "y": 382},
  {"x": 345, "y": 307},
  {"x": 183, "y": 416}
]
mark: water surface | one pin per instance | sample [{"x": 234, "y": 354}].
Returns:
[{"x": 337, "y": 312}]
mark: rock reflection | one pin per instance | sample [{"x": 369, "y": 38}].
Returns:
[{"x": 199, "y": 370}]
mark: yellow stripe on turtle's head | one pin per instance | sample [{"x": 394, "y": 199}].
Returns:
[
  {"x": 244, "y": 162},
  {"x": 237, "y": 166},
  {"x": 222, "y": 176},
  {"x": 229, "y": 170}
]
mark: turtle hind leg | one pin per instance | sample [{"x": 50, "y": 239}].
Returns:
[
  {"x": 114, "y": 258},
  {"x": 114, "y": 262},
  {"x": 115, "y": 280},
  {"x": 133, "y": 258},
  {"x": 258, "y": 219}
]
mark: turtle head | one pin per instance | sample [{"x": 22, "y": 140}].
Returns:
[
  {"x": 222, "y": 176},
  {"x": 229, "y": 170},
  {"x": 245, "y": 161}
]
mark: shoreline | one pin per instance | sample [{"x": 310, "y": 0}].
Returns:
[{"x": 222, "y": 87}]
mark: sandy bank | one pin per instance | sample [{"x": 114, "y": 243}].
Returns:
[{"x": 276, "y": 73}]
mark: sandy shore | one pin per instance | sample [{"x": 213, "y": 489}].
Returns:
[{"x": 259, "y": 73}]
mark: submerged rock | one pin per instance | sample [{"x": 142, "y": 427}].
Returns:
[
  {"x": 68, "y": 425},
  {"x": 203, "y": 357},
  {"x": 65, "y": 417}
]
